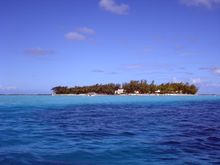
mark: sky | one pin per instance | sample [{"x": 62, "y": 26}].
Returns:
[{"x": 46, "y": 43}]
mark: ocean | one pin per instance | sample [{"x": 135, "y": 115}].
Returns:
[{"x": 109, "y": 130}]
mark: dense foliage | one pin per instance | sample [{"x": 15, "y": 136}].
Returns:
[
  {"x": 133, "y": 86},
  {"x": 98, "y": 88},
  {"x": 171, "y": 88}
]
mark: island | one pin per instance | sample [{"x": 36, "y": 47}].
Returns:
[{"x": 133, "y": 87}]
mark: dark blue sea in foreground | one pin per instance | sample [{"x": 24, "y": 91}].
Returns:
[{"x": 109, "y": 130}]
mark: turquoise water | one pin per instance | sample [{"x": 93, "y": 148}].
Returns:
[{"x": 109, "y": 130}]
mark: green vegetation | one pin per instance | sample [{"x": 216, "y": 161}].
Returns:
[
  {"x": 171, "y": 88},
  {"x": 142, "y": 87},
  {"x": 108, "y": 89}
]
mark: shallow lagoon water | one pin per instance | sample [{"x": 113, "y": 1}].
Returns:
[{"x": 106, "y": 130}]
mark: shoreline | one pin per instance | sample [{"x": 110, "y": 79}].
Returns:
[
  {"x": 124, "y": 95},
  {"x": 109, "y": 95}
]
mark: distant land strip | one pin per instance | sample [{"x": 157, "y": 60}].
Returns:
[{"x": 133, "y": 87}]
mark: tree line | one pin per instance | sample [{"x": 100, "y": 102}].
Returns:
[{"x": 142, "y": 86}]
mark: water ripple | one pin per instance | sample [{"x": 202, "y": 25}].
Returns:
[{"x": 115, "y": 130}]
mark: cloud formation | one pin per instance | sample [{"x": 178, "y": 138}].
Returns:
[
  {"x": 205, "y": 3},
  {"x": 112, "y": 73},
  {"x": 104, "y": 72},
  {"x": 211, "y": 84},
  {"x": 113, "y": 7},
  {"x": 216, "y": 70},
  {"x": 75, "y": 36},
  {"x": 86, "y": 30},
  {"x": 7, "y": 88},
  {"x": 80, "y": 34},
  {"x": 196, "y": 81},
  {"x": 98, "y": 71},
  {"x": 38, "y": 51},
  {"x": 204, "y": 83}
]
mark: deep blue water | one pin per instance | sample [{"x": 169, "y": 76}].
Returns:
[{"x": 109, "y": 130}]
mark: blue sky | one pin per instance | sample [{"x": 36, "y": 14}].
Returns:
[{"x": 81, "y": 42}]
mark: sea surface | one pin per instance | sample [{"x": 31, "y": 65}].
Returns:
[{"x": 109, "y": 130}]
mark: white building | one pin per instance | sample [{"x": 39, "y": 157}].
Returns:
[
  {"x": 119, "y": 91},
  {"x": 157, "y": 91},
  {"x": 136, "y": 92}
]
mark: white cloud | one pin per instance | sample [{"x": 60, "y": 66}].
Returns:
[
  {"x": 216, "y": 70},
  {"x": 196, "y": 80},
  {"x": 105, "y": 72},
  {"x": 205, "y": 3},
  {"x": 98, "y": 71},
  {"x": 112, "y": 6},
  {"x": 79, "y": 34},
  {"x": 38, "y": 51},
  {"x": 211, "y": 84},
  {"x": 8, "y": 88},
  {"x": 86, "y": 30},
  {"x": 75, "y": 36},
  {"x": 112, "y": 73}
]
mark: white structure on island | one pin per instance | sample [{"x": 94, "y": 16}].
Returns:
[
  {"x": 119, "y": 91},
  {"x": 157, "y": 91},
  {"x": 91, "y": 94},
  {"x": 136, "y": 92}
]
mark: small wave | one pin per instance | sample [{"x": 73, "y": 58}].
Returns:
[
  {"x": 128, "y": 134},
  {"x": 171, "y": 142},
  {"x": 214, "y": 139}
]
